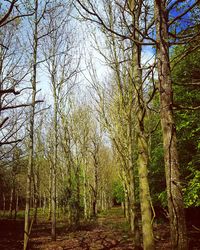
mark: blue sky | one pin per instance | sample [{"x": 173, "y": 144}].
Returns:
[{"x": 185, "y": 20}]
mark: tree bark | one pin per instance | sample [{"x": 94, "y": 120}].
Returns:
[
  {"x": 27, "y": 226},
  {"x": 142, "y": 144},
  {"x": 16, "y": 204},
  {"x": 174, "y": 191},
  {"x": 4, "y": 204},
  {"x": 36, "y": 193},
  {"x": 53, "y": 218},
  {"x": 11, "y": 202},
  {"x": 85, "y": 192}
]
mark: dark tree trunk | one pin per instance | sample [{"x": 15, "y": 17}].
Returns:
[{"x": 174, "y": 190}]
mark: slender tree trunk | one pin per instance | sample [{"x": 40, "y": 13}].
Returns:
[
  {"x": 27, "y": 226},
  {"x": 131, "y": 174},
  {"x": 96, "y": 184},
  {"x": 28, "y": 189},
  {"x": 145, "y": 198},
  {"x": 44, "y": 203},
  {"x": 174, "y": 190},
  {"x": 129, "y": 182},
  {"x": 76, "y": 211},
  {"x": 36, "y": 195},
  {"x": 133, "y": 210},
  {"x": 125, "y": 205},
  {"x": 41, "y": 199},
  {"x": 50, "y": 193},
  {"x": 16, "y": 204},
  {"x": 143, "y": 160},
  {"x": 55, "y": 160},
  {"x": 126, "y": 211},
  {"x": 11, "y": 203},
  {"x": 53, "y": 201},
  {"x": 85, "y": 194},
  {"x": 53, "y": 206},
  {"x": 70, "y": 212},
  {"x": 14, "y": 199},
  {"x": 4, "y": 204}
]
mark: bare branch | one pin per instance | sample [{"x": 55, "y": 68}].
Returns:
[
  {"x": 100, "y": 22},
  {"x": 8, "y": 91},
  {"x": 3, "y": 122},
  {"x": 180, "y": 107},
  {"x": 5, "y": 17},
  {"x": 184, "y": 13},
  {"x": 20, "y": 105},
  {"x": 10, "y": 142}
]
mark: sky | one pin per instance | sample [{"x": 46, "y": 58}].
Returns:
[{"x": 98, "y": 61}]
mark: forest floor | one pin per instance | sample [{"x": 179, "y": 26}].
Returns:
[{"x": 110, "y": 231}]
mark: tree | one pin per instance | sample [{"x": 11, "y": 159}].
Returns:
[
  {"x": 59, "y": 59},
  {"x": 174, "y": 190},
  {"x": 34, "y": 74},
  {"x": 185, "y": 77},
  {"x": 130, "y": 88},
  {"x": 13, "y": 70},
  {"x": 167, "y": 33}
]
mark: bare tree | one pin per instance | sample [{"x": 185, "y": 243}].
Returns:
[
  {"x": 13, "y": 72},
  {"x": 58, "y": 51},
  {"x": 36, "y": 37}
]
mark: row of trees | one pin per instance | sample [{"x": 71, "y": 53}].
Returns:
[
  {"x": 63, "y": 166},
  {"x": 128, "y": 28},
  {"x": 63, "y": 152}
]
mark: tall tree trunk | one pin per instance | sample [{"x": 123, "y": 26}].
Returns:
[
  {"x": 126, "y": 212},
  {"x": 36, "y": 193},
  {"x": 142, "y": 162},
  {"x": 131, "y": 171},
  {"x": 16, "y": 204},
  {"x": 85, "y": 192},
  {"x": 77, "y": 197},
  {"x": 50, "y": 193},
  {"x": 27, "y": 226},
  {"x": 11, "y": 202},
  {"x": 96, "y": 183},
  {"x": 4, "y": 203},
  {"x": 143, "y": 159},
  {"x": 53, "y": 218},
  {"x": 174, "y": 190},
  {"x": 44, "y": 203},
  {"x": 55, "y": 122},
  {"x": 130, "y": 200},
  {"x": 133, "y": 209},
  {"x": 53, "y": 205}
]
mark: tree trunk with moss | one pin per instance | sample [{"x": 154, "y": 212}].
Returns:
[{"x": 142, "y": 143}]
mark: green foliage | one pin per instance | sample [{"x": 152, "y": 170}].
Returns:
[
  {"x": 157, "y": 169},
  {"x": 118, "y": 191},
  {"x": 192, "y": 192},
  {"x": 188, "y": 131},
  {"x": 186, "y": 70},
  {"x": 162, "y": 197}
]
